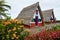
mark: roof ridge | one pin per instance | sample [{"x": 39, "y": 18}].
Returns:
[
  {"x": 47, "y": 10},
  {"x": 28, "y": 7}
]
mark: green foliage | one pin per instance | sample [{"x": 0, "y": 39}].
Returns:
[
  {"x": 3, "y": 8},
  {"x": 12, "y": 30},
  {"x": 56, "y": 27}
]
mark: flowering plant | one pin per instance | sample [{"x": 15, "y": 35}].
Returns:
[
  {"x": 12, "y": 30},
  {"x": 45, "y": 35}
]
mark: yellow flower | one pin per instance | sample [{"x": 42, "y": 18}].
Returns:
[
  {"x": 18, "y": 22},
  {"x": 15, "y": 32},
  {"x": 9, "y": 31},
  {"x": 12, "y": 38},
  {"x": 7, "y": 35},
  {"x": 11, "y": 19},
  {"x": 14, "y": 28},
  {"x": 6, "y": 23},
  {"x": 19, "y": 28},
  {"x": 27, "y": 30},
  {"x": 15, "y": 20},
  {"x": 14, "y": 35},
  {"x": 9, "y": 22},
  {"x": 17, "y": 37}
]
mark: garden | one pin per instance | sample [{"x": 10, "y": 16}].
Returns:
[
  {"x": 13, "y": 29},
  {"x": 50, "y": 34},
  {"x": 10, "y": 29}
]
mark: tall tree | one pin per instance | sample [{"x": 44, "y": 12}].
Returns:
[{"x": 3, "y": 8}]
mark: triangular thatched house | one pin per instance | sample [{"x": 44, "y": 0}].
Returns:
[
  {"x": 28, "y": 13},
  {"x": 47, "y": 14}
]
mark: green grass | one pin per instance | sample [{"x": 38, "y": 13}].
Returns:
[{"x": 56, "y": 28}]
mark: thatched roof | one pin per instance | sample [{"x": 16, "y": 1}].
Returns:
[
  {"x": 28, "y": 13},
  {"x": 47, "y": 14}
]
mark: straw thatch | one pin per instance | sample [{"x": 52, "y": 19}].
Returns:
[
  {"x": 28, "y": 13},
  {"x": 47, "y": 15}
]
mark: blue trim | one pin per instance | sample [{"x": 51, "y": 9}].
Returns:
[{"x": 39, "y": 20}]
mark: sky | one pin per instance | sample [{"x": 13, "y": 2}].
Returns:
[{"x": 18, "y": 5}]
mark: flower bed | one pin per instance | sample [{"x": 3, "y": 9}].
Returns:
[
  {"x": 45, "y": 35},
  {"x": 12, "y": 30}
]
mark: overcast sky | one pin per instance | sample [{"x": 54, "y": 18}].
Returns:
[{"x": 18, "y": 5}]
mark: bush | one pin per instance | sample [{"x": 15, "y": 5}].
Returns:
[
  {"x": 56, "y": 27},
  {"x": 45, "y": 35},
  {"x": 12, "y": 30}
]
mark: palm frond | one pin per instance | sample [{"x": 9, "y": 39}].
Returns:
[
  {"x": 4, "y": 5},
  {"x": 3, "y": 9},
  {"x": 3, "y": 14},
  {"x": 2, "y": 2}
]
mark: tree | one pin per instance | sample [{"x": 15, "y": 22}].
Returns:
[{"x": 3, "y": 8}]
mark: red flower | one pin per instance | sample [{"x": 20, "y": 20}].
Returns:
[{"x": 46, "y": 35}]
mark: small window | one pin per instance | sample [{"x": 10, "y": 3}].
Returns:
[
  {"x": 39, "y": 20},
  {"x": 33, "y": 20},
  {"x": 51, "y": 18}
]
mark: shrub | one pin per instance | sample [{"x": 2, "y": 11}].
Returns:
[
  {"x": 12, "y": 30},
  {"x": 56, "y": 27},
  {"x": 45, "y": 35}
]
